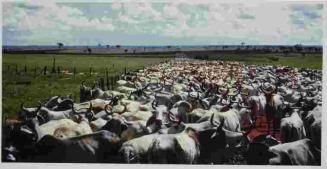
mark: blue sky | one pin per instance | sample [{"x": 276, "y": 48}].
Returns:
[{"x": 161, "y": 23}]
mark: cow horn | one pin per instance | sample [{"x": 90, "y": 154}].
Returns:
[
  {"x": 41, "y": 118},
  {"x": 69, "y": 101},
  {"x": 146, "y": 86},
  {"x": 39, "y": 107},
  {"x": 154, "y": 104},
  {"x": 22, "y": 107},
  {"x": 127, "y": 122},
  {"x": 106, "y": 109},
  {"x": 160, "y": 88}
]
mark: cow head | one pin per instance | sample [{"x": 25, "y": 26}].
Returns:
[
  {"x": 258, "y": 154},
  {"x": 87, "y": 112},
  {"x": 181, "y": 109},
  {"x": 9, "y": 154},
  {"x": 28, "y": 113},
  {"x": 63, "y": 104},
  {"x": 309, "y": 103},
  {"x": 116, "y": 124},
  {"x": 20, "y": 138},
  {"x": 245, "y": 113},
  {"x": 128, "y": 154},
  {"x": 53, "y": 101},
  {"x": 85, "y": 93},
  {"x": 265, "y": 139}
]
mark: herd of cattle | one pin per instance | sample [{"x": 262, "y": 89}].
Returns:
[{"x": 190, "y": 112}]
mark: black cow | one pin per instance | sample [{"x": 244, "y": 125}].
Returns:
[{"x": 33, "y": 146}]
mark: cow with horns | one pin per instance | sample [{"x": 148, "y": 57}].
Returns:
[{"x": 190, "y": 112}]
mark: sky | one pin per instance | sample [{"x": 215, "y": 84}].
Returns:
[{"x": 161, "y": 23}]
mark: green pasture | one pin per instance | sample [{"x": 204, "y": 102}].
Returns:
[
  {"x": 52, "y": 84},
  {"x": 313, "y": 61}
]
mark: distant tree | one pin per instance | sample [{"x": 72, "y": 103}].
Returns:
[
  {"x": 60, "y": 45},
  {"x": 117, "y": 46},
  {"x": 298, "y": 47},
  {"x": 89, "y": 50},
  {"x": 285, "y": 53},
  {"x": 126, "y": 50},
  {"x": 99, "y": 45},
  {"x": 107, "y": 46}
]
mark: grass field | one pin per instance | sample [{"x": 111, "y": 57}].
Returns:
[
  {"x": 313, "y": 61},
  {"x": 44, "y": 86}
]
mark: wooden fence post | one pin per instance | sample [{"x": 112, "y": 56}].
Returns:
[
  {"x": 102, "y": 83},
  {"x": 107, "y": 79},
  {"x": 25, "y": 68},
  {"x": 74, "y": 71},
  {"x": 35, "y": 71},
  {"x": 117, "y": 77},
  {"x": 54, "y": 65},
  {"x": 58, "y": 70},
  {"x": 45, "y": 70},
  {"x": 110, "y": 87},
  {"x": 112, "y": 82},
  {"x": 90, "y": 71}
]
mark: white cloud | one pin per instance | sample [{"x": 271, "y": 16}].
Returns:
[
  {"x": 48, "y": 22},
  {"x": 210, "y": 22}
]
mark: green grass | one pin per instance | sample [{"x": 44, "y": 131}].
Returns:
[
  {"x": 313, "y": 61},
  {"x": 44, "y": 86}
]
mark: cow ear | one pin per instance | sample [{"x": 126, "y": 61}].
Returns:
[{"x": 187, "y": 106}]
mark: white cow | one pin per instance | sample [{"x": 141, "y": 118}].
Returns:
[{"x": 292, "y": 128}]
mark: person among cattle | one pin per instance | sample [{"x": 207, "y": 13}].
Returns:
[{"x": 274, "y": 106}]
